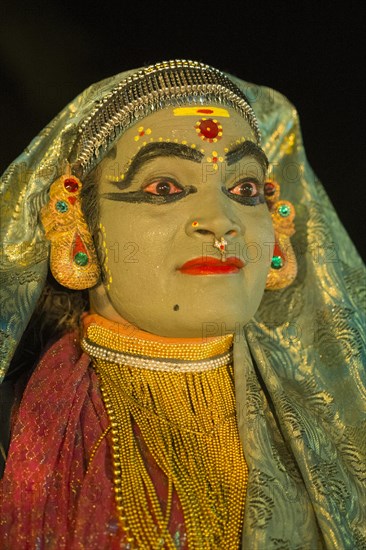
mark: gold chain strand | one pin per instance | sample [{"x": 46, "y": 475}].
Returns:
[
  {"x": 187, "y": 421},
  {"x": 169, "y": 503},
  {"x": 96, "y": 445}
]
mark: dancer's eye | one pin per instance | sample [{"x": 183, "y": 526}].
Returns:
[
  {"x": 246, "y": 188},
  {"x": 163, "y": 187}
]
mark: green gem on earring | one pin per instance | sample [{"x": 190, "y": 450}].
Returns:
[
  {"x": 61, "y": 206},
  {"x": 81, "y": 258},
  {"x": 284, "y": 210},
  {"x": 277, "y": 262}
]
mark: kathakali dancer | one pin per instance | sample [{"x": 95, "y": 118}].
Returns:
[{"x": 186, "y": 309}]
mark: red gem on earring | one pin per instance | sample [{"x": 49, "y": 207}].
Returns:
[
  {"x": 278, "y": 252},
  {"x": 78, "y": 245},
  {"x": 269, "y": 188},
  {"x": 71, "y": 185},
  {"x": 72, "y": 200}
]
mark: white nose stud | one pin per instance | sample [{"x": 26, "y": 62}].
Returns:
[{"x": 221, "y": 246}]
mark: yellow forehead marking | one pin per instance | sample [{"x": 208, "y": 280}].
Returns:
[
  {"x": 201, "y": 111},
  {"x": 215, "y": 159},
  {"x": 141, "y": 131}
]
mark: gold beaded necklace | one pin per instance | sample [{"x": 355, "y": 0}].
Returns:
[{"x": 181, "y": 397}]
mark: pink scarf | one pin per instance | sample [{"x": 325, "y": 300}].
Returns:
[{"x": 52, "y": 498}]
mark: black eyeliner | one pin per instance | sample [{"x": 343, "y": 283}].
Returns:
[
  {"x": 247, "y": 201},
  {"x": 151, "y": 198}
]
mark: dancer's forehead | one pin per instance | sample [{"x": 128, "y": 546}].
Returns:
[
  {"x": 186, "y": 86},
  {"x": 202, "y": 134}
]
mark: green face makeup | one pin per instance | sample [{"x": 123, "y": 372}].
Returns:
[{"x": 177, "y": 184}]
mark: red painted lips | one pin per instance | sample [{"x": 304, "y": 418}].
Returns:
[{"x": 211, "y": 266}]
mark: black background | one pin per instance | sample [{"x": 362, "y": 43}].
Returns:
[{"x": 312, "y": 53}]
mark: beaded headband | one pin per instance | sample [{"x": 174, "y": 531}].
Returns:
[{"x": 170, "y": 83}]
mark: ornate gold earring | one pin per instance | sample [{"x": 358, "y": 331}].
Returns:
[
  {"x": 283, "y": 268},
  {"x": 73, "y": 260}
]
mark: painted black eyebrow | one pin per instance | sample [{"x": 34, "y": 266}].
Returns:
[
  {"x": 154, "y": 150},
  {"x": 247, "y": 149}
]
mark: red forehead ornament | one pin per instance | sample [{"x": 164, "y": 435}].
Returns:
[{"x": 209, "y": 129}]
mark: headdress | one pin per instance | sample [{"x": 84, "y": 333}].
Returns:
[{"x": 170, "y": 83}]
